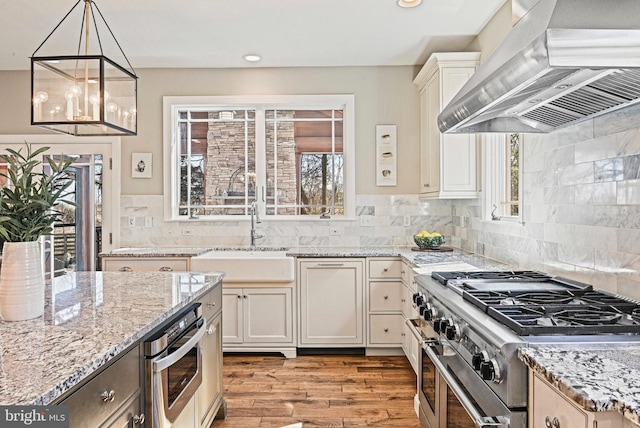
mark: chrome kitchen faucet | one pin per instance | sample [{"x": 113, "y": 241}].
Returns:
[{"x": 255, "y": 218}]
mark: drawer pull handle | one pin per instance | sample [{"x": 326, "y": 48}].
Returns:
[
  {"x": 386, "y": 297},
  {"x": 552, "y": 423},
  {"x": 211, "y": 304},
  {"x": 125, "y": 269},
  {"x": 138, "y": 420},
  {"x": 330, "y": 264},
  {"x": 108, "y": 397},
  {"x": 166, "y": 269},
  {"x": 402, "y": 272},
  {"x": 403, "y": 300}
]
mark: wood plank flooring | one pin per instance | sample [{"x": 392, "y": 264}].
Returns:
[{"x": 319, "y": 391}]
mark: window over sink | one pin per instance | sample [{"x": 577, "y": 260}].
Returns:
[{"x": 293, "y": 155}]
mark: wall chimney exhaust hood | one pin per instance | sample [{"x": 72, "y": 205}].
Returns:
[{"x": 563, "y": 62}]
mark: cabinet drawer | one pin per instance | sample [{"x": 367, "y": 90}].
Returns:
[
  {"x": 145, "y": 264},
  {"x": 386, "y": 329},
  {"x": 385, "y": 269},
  {"x": 212, "y": 302},
  {"x": 86, "y": 406},
  {"x": 385, "y": 296}
]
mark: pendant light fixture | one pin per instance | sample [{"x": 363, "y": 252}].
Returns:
[{"x": 84, "y": 93}]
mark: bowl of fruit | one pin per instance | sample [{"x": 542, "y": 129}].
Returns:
[{"x": 427, "y": 240}]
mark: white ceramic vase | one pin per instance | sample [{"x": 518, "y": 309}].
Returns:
[{"x": 21, "y": 281}]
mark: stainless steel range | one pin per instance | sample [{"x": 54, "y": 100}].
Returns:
[{"x": 472, "y": 323}]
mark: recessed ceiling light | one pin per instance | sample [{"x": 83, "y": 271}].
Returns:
[
  {"x": 409, "y": 3},
  {"x": 251, "y": 57}
]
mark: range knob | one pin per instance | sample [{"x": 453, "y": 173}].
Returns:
[
  {"x": 440, "y": 325},
  {"x": 418, "y": 299},
  {"x": 427, "y": 311},
  {"x": 490, "y": 370},
  {"x": 452, "y": 331},
  {"x": 478, "y": 358}
]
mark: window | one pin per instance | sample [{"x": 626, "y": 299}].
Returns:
[
  {"x": 291, "y": 154},
  {"x": 502, "y": 176}
]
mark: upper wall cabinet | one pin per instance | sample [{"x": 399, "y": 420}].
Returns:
[{"x": 448, "y": 162}]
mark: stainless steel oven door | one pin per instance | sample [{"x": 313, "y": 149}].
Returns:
[
  {"x": 175, "y": 376},
  {"x": 451, "y": 393}
]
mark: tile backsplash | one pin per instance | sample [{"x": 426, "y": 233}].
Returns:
[
  {"x": 581, "y": 206},
  {"x": 387, "y": 217}
]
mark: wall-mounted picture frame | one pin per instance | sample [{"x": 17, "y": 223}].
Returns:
[
  {"x": 141, "y": 165},
  {"x": 386, "y": 155}
]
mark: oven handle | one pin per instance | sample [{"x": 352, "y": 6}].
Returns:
[
  {"x": 169, "y": 360},
  {"x": 479, "y": 420},
  {"x": 424, "y": 342}
]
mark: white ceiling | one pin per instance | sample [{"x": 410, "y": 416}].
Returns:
[{"x": 286, "y": 33}]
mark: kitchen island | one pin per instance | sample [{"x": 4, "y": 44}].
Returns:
[{"x": 90, "y": 319}]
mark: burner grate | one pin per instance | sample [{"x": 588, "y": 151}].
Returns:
[
  {"x": 485, "y": 299},
  {"x": 529, "y": 275},
  {"x": 587, "y": 319}
]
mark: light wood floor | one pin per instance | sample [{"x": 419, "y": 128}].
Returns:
[{"x": 319, "y": 391}]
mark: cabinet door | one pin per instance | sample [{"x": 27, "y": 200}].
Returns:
[
  {"x": 268, "y": 315},
  {"x": 547, "y": 403},
  {"x": 210, "y": 391},
  {"x": 331, "y": 302},
  {"x": 232, "y": 315},
  {"x": 386, "y": 329},
  {"x": 430, "y": 169}
]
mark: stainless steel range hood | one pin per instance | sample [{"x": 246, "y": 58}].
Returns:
[{"x": 563, "y": 62}]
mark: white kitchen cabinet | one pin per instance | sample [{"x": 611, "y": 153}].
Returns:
[
  {"x": 209, "y": 395},
  {"x": 258, "y": 319},
  {"x": 384, "y": 305},
  {"x": 410, "y": 344},
  {"x": 331, "y": 302},
  {"x": 448, "y": 162},
  {"x": 145, "y": 264},
  {"x": 549, "y": 407}
]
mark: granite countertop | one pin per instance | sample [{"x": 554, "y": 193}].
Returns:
[
  {"x": 156, "y": 252},
  {"x": 89, "y": 318},
  {"x": 595, "y": 379}
]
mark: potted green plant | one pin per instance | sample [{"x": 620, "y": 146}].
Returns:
[{"x": 27, "y": 212}]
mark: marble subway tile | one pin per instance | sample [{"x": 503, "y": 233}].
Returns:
[
  {"x": 617, "y": 121},
  {"x": 575, "y": 174},
  {"x": 578, "y": 256},
  {"x": 631, "y": 167},
  {"x": 598, "y": 149},
  {"x": 628, "y": 192},
  {"x": 608, "y": 170},
  {"x": 627, "y": 240},
  {"x": 596, "y": 194}
]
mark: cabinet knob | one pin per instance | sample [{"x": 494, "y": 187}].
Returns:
[
  {"x": 108, "y": 397},
  {"x": 211, "y": 304},
  {"x": 239, "y": 296},
  {"x": 385, "y": 270},
  {"x": 425, "y": 185},
  {"x": 402, "y": 272},
  {"x": 403, "y": 300},
  {"x": 166, "y": 269},
  {"x": 211, "y": 329},
  {"x": 138, "y": 419},
  {"x": 386, "y": 297},
  {"x": 386, "y": 330},
  {"x": 245, "y": 296},
  {"x": 552, "y": 423},
  {"x": 125, "y": 269}
]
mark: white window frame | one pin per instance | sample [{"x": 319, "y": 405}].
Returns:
[
  {"x": 171, "y": 146},
  {"x": 494, "y": 161}
]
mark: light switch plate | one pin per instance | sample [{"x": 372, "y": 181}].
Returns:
[
  {"x": 407, "y": 221},
  {"x": 148, "y": 221},
  {"x": 132, "y": 221}
]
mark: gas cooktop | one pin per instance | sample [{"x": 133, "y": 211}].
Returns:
[{"x": 534, "y": 303}]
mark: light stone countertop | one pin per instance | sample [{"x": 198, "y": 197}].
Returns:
[
  {"x": 596, "y": 379},
  {"x": 90, "y": 317},
  {"x": 156, "y": 252}
]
